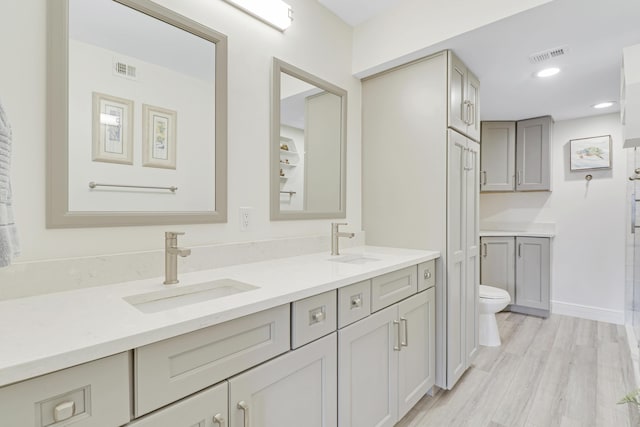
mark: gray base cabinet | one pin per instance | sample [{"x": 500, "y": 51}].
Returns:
[
  {"x": 386, "y": 362},
  {"x": 533, "y": 272},
  {"x": 522, "y": 267},
  {"x": 498, "y": 263}
]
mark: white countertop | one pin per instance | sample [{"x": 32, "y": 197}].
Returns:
[
  {"x": 502, "y": 233},
  {"x": 46, "y": 333}
]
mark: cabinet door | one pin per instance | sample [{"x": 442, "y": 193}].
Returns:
[
  {"x": 416, "y": 369},
  {"x": 498, "y": 263},
  {"x": 473, "y": 98},
  {"x": 498, "y": 156},
  {"x": 208, "y": 408},
  {"x": 472, "y": 250},
  {"x": 457, "y": 82},
  {"x": 368, "y": 371},
  {"x": 293, "y": 390},
  {"x": 533, "y": 272},
  {"x": 455, "y": 289},
  {"x": 533, "y": 154}
]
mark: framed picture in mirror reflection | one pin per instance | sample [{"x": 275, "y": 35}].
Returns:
[
  {"x": 112, "y": 130},
  {"x": 159, "y": 142}
]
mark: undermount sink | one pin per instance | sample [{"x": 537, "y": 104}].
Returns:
[
  {"x": 166, "y": 299},
  {"x": 354, "y": 259}
]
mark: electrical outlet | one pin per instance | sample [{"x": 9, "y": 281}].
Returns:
[{"x": 245, "y": 218}]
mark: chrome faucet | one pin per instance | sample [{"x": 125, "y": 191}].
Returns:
[
  {"x": 171, "y": 252},
  {"x": 335, "y": 234}
]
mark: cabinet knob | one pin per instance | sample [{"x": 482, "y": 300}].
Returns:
[
  {"x": 356, "y": 302},
  {"x": 317, "y": 316},
  {"x": 427, "y": 274}
]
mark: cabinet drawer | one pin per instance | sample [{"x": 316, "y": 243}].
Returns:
[
  {"x": 198, "y": 410},
  {"x": 426, "y": 275},
  {"x": 393, "y": 287},
  {"x": 168, "y": 370},
  {"x": 354, "y": 303},
  {"x": 95, "y": 394},
  {"x": 312, "y": 318}
]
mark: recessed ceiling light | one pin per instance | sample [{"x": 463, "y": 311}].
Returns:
[
  {"x": 548, "y": 72},
  {"x": 603, "y": 105}
]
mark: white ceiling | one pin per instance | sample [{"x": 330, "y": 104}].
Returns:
[{"x": 595, "y": 31}]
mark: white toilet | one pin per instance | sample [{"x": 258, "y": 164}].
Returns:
[{"x": 492, "y": 300}]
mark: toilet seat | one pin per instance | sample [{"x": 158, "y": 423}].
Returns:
[{"x": 490, "y": 292}]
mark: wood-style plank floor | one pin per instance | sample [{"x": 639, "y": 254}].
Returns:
[{"x": 561, "y": 371}]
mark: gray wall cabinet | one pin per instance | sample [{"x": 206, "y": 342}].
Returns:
[
  {"x": 498, "y": 156},
  {"x": 516, "y": 156},
  {"x": 521, "y": 266},
  {"x": 464, "y": 99}
]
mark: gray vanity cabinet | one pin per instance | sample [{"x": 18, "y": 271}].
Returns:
[
  {"x": 516, "y": 156},
  {"x": 386, "y": 362},
  {"x": 521, "y": 266}
]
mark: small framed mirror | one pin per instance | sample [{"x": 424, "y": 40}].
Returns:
[
  {"x": 137, "y": 116},
  {"x": 308, "y": 146}
]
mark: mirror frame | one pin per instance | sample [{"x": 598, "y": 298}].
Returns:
[
  {"x": 280, "y": 67},
  {"x": 58, "y": 214}
]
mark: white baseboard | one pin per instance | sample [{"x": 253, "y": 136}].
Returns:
[{"x": 588, "y": 312}]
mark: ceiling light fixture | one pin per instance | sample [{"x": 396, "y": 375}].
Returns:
[
  {"x": 606, "y": 104},
  {"x": 276, "y": 13},
  {"x": 548, "y": 72}
]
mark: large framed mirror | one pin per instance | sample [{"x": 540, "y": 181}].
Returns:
[
  {"x": 308, "y": 146},
  {"x": 137, "y": 116}
]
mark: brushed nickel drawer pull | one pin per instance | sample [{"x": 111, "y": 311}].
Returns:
[
  {"x": 405, "y": 342},
  {"x": 245, "y": 409},
  {"x": 397, "y": 347},
  {"x": 218, "y": 420}
]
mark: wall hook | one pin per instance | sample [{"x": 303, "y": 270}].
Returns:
[{"x": 589, "y": 177}]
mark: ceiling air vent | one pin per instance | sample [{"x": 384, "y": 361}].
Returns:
[
  {"x": 124, "y": 70},
  {"x": 545, "y": 55}
]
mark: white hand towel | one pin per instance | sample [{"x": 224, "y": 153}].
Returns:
[{"x": 9, "y": 246}]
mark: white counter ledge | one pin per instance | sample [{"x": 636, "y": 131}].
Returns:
[
  {"x": 501, "y": 233},
  {"x": 49, "y": 332}
]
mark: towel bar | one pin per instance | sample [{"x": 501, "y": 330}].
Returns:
[{"x": 173, "y": 189}]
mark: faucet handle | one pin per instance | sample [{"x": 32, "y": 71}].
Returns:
[
  {"x": 173, "y": 234},
  {"x": 335, "y": 226}
]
